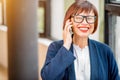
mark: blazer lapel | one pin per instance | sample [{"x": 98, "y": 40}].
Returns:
[
  {"x": 71, "y": 68},
  {"x": 93, "y": 61}
]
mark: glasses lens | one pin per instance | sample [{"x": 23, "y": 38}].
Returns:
[
  {"x": 90, "y": 19},
  {"x": 78, "y": 18}
]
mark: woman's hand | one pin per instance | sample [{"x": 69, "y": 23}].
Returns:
[{"x": 67, "y": 35}]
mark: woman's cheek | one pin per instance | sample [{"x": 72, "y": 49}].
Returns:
[{"x": 91, "y": 28}]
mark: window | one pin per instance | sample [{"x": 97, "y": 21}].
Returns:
[
  {"x": 101, "y": 20},
  {"x": 112, "y": 29},
  {"x": 115, "y": 1},
  {"x": 41, "y": 18},
  {"x": 1, "y": 13},
  {"x": 44, "y": 18}
]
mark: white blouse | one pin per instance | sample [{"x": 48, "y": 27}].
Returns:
[{"x": 82, "y": 63}]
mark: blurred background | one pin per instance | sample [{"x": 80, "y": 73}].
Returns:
[{"x": 27, "y": 27}]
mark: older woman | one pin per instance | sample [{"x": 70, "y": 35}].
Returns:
[{"x": 77, "y": 57}]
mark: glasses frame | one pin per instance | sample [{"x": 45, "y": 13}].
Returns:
[{"x": 85, "y": 19}]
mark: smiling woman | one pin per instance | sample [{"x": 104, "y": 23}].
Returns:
[{"x": 77, "y": 57}]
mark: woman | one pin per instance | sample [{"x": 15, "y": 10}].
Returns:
[{"x": 77, "y": 57}]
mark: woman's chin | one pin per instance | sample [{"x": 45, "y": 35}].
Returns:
[{"x": 83, "y": 36}]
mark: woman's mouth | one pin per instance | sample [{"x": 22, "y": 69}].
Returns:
[{"x": 84, "y": 29}]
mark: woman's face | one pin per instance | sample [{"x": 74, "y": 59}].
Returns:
[{"x": 83, "y": 24}]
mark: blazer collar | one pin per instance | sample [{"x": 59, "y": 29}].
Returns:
[
  {"x": 71, "y": 68},
  {"x": 93, "y": 62}
]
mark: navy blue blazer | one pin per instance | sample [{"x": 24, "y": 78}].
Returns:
[{"x": 59, "y": 63}]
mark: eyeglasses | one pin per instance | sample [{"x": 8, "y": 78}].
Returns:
[{"x": 80, "y": 18}]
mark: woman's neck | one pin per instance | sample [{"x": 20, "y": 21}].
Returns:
[{"x": 80, "y": 41}]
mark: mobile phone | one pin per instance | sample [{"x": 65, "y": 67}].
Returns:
[{"x": 71, "y": 31}]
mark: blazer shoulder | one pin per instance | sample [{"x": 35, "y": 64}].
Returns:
[
  {"x": 102, "y": 47},
  {"x": 100, "y": 44},
  {"x": 56, "y": 44}
]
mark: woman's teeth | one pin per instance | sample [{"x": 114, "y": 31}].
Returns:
[{"x": 84, "y": 28}]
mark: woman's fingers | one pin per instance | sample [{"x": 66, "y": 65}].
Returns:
[
  {"x": 68, "y": 25},
  {"x": 69, "y": 28},
  {"x": 67, "y": 35}
]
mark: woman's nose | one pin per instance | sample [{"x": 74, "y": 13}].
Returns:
[{"x": 84, "y": 21}]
